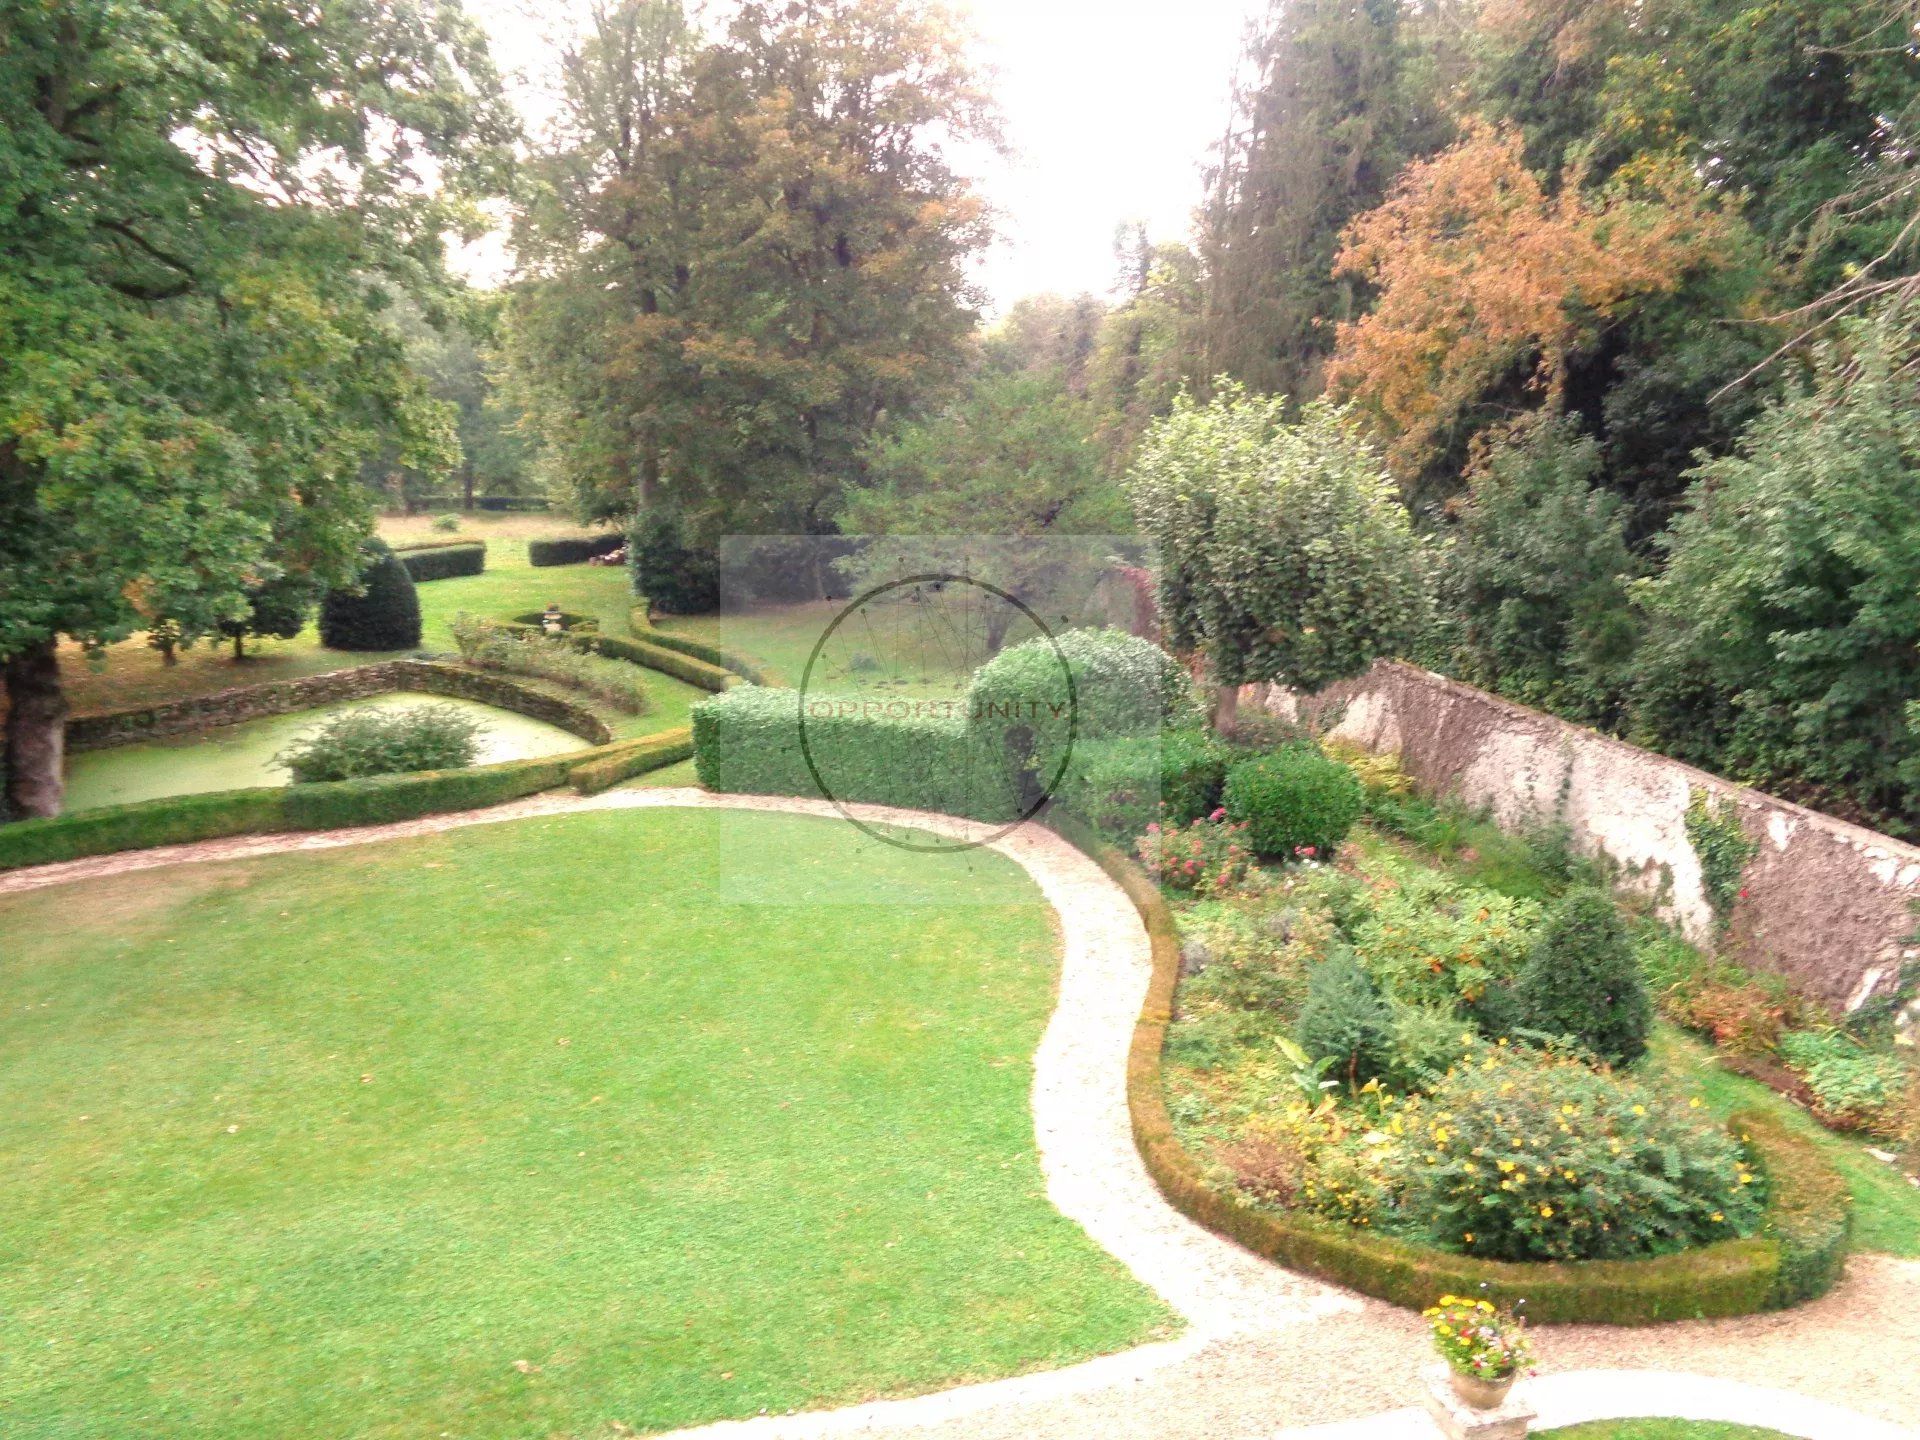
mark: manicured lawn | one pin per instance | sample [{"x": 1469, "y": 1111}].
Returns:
[
  {"x": 542, "y": 1128},
  {"x": 1660, "y": 1430}
]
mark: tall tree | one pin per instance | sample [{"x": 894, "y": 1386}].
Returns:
[
  {"x": 745, "y": 250},
  {"x": 204, "y": 214},
  {"x": 1285, "y": 554},
  {"x": 1333, "y": 97}
]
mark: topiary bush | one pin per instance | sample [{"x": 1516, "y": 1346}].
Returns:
[
  {"x": 443, "y": 560},
  {"x": 676, "y": 575},
  {"x": 1345, "y": 1020},
  {"x": 1038, "y": 700},
  {"x": 1581, "y": 979},
  {"x": 359, "y": 743},
  {"x": 1295, "y": 802},
  {"x": 383, "y": 614},
  {"x": 1526, "y": 1155}
]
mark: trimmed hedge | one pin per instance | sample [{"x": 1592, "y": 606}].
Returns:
[
  {"x": 1798, "y": 1253},
  {"x": 668, "y": 662},
  {"x": 442, "y": 559},
  {"x": 176, "y": 820},
  {"x": 382, "y": 799},
  {"x": 635, "y": 757},
  {"x": 570, "y": 620},
  {"x": 746, "y": 669},
  {"x": 572, "y": 549},
  {"x": 484, "y": 502},
  {"x": 871, "y": 751}
]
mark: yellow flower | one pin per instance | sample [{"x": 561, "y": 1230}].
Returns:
[
  {"x": 1718, "y": 1217},
  {"x": 1546, "y": 1212},
  {"x": 1639, "y": 1109}
]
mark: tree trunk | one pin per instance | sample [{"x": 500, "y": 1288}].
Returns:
[
  {"x": 1226, "y": 709},
  {"x": 466, "y": 486},
  {"x": 239, "y": 647},
  {"x": 36, "y": 735}
]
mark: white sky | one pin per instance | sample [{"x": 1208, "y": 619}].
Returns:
[{"x": 1109, "y": 109}]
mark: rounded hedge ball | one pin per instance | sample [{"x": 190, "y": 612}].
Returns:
[{"x": 1296, "y": 803}]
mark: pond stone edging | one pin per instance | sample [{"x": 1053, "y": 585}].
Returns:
[{"x": 241, "y": 703}]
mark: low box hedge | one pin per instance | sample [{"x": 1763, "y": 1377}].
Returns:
[
  {"x": 442, "y": 560},
  {"x": 382, "y": 799},
  {"x": 699, "y": 649},
  {"x": 495, "y": 503},
  {"x": 870, "y": 750},
  {"x": 175, "y": 820},
  {"x": 700, "y": 673},
  {"x": 572, "y": 549},
  {"x": 635, "y": 757},
  {"x": 1798, "y": 1253}
]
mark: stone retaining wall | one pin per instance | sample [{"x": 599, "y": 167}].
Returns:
[
  {"x": 1827, "y": 904},
  {"x": 280, "y": 697}
]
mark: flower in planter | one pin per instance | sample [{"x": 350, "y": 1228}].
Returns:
[{"x": 1478, "y": 1339}]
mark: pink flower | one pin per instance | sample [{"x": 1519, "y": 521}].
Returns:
[
  {"x": 1743, "y": 892},
  {"x": 1219, "y": 811},
  {"x": 1153, "y": 827}
]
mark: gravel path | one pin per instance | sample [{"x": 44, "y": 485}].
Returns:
[{"x": 1265, "y": 1350}]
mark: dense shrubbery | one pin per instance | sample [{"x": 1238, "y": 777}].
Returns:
[
  {"x": 1345, "y": 1022},
  {"x": 519, "y": 650},
  {"x": 1208, "y": 857},
  {"x": 1119, "y": 786},
  {"x": 1295, "y": 802},
  {"x": 572, "y": 549},
  {"x": 383, "y": 614},
  {"x": 365, "y": 742},
  {"x": 677, "y": 576},
  {"x": 1582, "y": 981},
  {"x": 1530, "y": 1156}
]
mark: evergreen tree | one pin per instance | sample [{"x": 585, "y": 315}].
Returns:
[{"x": 1581, "y": 980}]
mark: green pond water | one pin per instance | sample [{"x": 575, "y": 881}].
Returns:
[{"x": 237, "y": 757}]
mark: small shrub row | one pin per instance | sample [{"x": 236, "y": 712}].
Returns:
[
  {"x": 442, "y": 559},
  {"x": 713, "y": 655},
  {"x": 701, "y": 674},
  {"x": 635, "y": 757},
  {"x": 866, "y": 750},
  {"x": 1796, "y": 1255},
  {"x": 572, "y": 549},
  {"x": 495, "y": 503}
]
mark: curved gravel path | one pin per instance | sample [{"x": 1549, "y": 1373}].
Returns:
[{"x": 1266, "y": 1351}]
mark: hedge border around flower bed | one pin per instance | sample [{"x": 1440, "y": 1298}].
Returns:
[
  {"x": 697, "y": 673},
  {"x": 571, "y": 549},
  {"x": 1798, "y": 1253}
]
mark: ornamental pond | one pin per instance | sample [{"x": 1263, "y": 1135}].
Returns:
[{"x": 239, "y": 757}]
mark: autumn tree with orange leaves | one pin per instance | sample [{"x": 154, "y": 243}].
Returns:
[{"x": 1488, "y": 281}]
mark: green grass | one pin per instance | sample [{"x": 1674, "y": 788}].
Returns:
[
  {"x": 1659, "y": 1430},
  {"x": 631, "y": 1118},
  {"x": 1886, "y": 1207}
]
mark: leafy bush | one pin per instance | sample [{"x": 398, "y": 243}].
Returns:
[
  {"x": 1207, "y": 857},
  {"x": 364, "y": 742},
  {"x": 572, "y": 549},
  {"x": 677, "y": 576},
  {"x": 1118, "y": 786},
  {"x": 1035, "y": 700},
  {"x": 383, "y": 614},
  {"x": 447, "y": 524},
  {"x": 520, "y": 650},
  {"x": 1424, "y": 1042},
  {"x": 881, "y": 752},
  {"x": 1855, "y": 1088},
  {"x": 1345, "y": 1020},
  {"x": 1581, "y": 979},
  {"x": 1381, "y": 776},
  {"x": 1250, "y": 985},
  {"x": 1532, "y": 1156},
  {"x": 1431, "y": 940},
  {"x": 1295, "y": 802},
  {"x": 443, "y": 561}
]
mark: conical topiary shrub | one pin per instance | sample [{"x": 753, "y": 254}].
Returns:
[
  {"x": 384, "y": 615},
  {"x": 1582, "y": 980}
]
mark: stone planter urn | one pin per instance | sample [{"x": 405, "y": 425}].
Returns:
[{"x": 1480, "y": 1394}]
